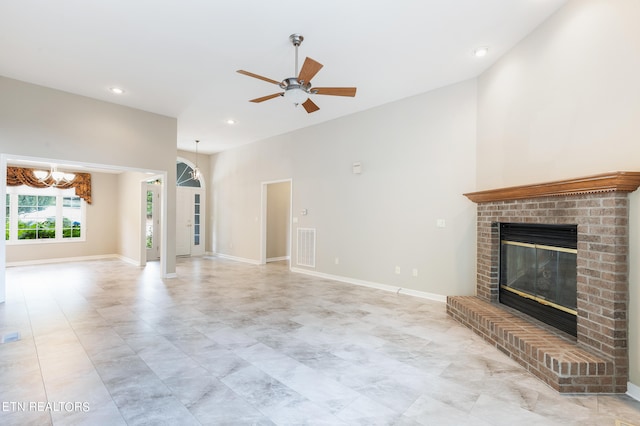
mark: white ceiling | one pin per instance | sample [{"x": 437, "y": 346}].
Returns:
[{"x": 178, "y": 57}]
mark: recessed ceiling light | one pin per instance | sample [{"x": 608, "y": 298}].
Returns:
[
  {"x": 481, "y": 51},
  {"x": 231, "y": 121},
  {"x": 116, "y": 90}
]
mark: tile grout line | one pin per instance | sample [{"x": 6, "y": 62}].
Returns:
[{"x": 33, "y": 337}]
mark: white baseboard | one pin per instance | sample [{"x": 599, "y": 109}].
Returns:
[
  {"x": 128, "y": 260},
  {"x": 277, "y": 259},
  {"x": 65, "y": 259},
  {"x": 385, "y": 287},
  {"x": 238, "y": 259},
  {"x": 633, "y": 391}
]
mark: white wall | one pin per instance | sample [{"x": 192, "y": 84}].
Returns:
[
  {"x": 131, "y": 227},
  {"x": 45, "y": 123},
  {"x": 100, "y": 224},
  {"x": 564, "y": 103},
  {"x": 418, "y": 157}
]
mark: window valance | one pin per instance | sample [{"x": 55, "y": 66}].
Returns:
[{"x": 24, "y": 176}]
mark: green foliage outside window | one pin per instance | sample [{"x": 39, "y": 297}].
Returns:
[
  {"x": 70, "y": 229},
  {"x": 7, "y": 218},
  {"x": 149, "y": 226},
  {"x": 36, "y": 217},
  {"x": 36, "y": 230}
]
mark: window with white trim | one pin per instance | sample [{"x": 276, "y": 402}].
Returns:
[{"x": 36, "y": 215}]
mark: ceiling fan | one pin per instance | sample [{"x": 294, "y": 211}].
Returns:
[{"x": 298, "y": 89}]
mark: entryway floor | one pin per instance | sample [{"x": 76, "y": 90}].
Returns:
[{"x": 105, "y": 342}]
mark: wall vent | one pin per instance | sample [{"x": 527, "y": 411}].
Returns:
[{"x": 306, "y": 247}]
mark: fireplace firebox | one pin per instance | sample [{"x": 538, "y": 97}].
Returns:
[{"x": 538, "y": 273}]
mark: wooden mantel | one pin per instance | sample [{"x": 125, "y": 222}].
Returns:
[{"x": 606, "y": 182}]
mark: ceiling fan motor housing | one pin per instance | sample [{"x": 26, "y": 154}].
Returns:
[{"x": 294, "y": 83}]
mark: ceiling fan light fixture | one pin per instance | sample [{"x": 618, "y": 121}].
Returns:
[
  {"x": 296, "y": 95},
  {"x": 294, "y": 91}
]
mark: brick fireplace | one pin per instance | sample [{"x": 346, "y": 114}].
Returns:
[{"x": 596, "y": 361}]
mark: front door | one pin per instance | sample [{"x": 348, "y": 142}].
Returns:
[{"x": 189, "y": 223}]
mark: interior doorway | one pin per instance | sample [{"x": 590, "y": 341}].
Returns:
[
  {"x": 276, "y": 221},
  {"x": 134, "y": 247}
]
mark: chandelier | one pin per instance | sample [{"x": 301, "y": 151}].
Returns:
[
  {"x": 53, "y": 177},
  {"x": 195, "y": 173}
]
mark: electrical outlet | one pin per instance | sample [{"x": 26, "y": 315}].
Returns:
[
  {"x": 415, "y": 272},
  {"x": 441, "y": 223},
  {"x": 336, "y": 261},
  {"x": 398, "y": 270}
]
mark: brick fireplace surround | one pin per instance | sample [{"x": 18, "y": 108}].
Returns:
[{"x": 597, "y": 360}]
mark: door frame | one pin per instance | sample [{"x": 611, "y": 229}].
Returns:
[{"x": 263, "y": 218}]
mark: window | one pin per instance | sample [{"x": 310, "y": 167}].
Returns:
[
  {"x": 196, "y": 220},
  {"x": 149, "y": 221},
  {"x": 43, "y": 214},
  {"x": 184, "y": 175}
]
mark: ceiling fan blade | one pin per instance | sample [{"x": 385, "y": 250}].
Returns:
[
  {"x": 259, "y": 77},
  {"x": 266, "y": 98},
  {"x": 309, "y": 106},
  {"x": 309, "y": 69},
  {"x": 335, "y": 91}
]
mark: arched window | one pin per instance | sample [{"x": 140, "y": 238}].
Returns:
[{"x": 184, "y": 175}]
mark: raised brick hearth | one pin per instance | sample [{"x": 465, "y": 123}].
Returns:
[{"x": 597, "y": 360}]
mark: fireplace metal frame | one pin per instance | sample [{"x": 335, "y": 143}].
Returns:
[{"x": 556, "y": 237}]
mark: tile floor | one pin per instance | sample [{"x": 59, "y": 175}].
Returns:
[{"x": 225, "y": 343}]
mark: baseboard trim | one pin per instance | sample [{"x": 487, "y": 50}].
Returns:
[
  {"x": 277, "y": 259},
  {"x": 128, "y": 260},
  {"x": 633, "y": 391},
  {"x": 238, "y": 259},
  {"x": 65, "y": 259},
  {"x": 370, "y": 284}
]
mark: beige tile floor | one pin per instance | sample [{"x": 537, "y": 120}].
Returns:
[{"x": 225, "y": 343}]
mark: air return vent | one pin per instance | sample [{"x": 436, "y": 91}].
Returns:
[{"x": 306, "y": 247}]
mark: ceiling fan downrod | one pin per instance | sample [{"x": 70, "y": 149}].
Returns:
[{"x": 296, "y": 39}]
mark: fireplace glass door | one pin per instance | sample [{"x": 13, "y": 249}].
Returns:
[
  {"x": 538, "y": 275},
  {"x": 543, "y": 273}
]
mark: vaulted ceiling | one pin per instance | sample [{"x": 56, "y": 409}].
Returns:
[{"x": 179, "y": 58}]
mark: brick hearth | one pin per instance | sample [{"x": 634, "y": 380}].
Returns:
[{"x": 597, "y": 360}]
